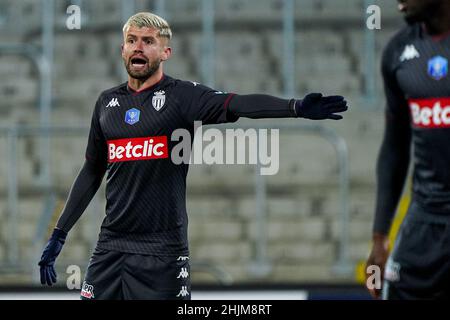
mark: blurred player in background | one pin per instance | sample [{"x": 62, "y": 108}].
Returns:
[
  {"x": 142, "y": 250},
  {"x": 417, "y": 89}
]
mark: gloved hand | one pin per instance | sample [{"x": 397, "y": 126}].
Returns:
[
  {"x": 51, "y": 252},
  {"x": 316, "y": 107}
]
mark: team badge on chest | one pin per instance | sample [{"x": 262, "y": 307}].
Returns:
[
  {"x": 132, "y": 116},
  {"x": 438, "y": 67},
  {"x": 158, "y": 100}
]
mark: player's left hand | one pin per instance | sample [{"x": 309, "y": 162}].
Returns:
[
  {"x": 51, "y": 252},
  {"x": 317, "y": 107},
  {"x": 378, "y": 257}
]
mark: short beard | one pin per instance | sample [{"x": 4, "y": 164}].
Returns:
[{"x": 145, "y": 74}]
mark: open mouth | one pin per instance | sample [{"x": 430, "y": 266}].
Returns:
[{"x": 138, "y": 62}]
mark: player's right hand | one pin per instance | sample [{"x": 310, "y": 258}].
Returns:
[
  {"x": 378, "y": 257},
  {"x": 51, "y": 252}
]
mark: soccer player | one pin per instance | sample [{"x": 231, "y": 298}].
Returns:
[
  {"x": 142, "y": 250},
  {"x": 417, "y": 89}
]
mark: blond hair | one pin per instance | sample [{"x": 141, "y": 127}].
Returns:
[{"x": 149, "y": 20}]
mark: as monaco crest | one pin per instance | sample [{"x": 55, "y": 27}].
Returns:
[{"x": 158, "y": 100}]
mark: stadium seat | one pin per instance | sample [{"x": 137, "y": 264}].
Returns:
[
  {"x": 30, "y": 13},
  {"x": 180, "y": 10},
  {"x": 104, "y": 12},
  {"x": 246, "y": 10},
  {"x": 80, "y": 89},
  {"x": 18, "y": 90},
  {"x": 11, "y": 66}
]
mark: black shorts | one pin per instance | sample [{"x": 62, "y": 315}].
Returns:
[
  {"x": 419, "y": 265},
  {"x": 113, "y": 275}
]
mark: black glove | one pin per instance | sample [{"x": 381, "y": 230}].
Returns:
[
  {"x": 51, "y": 252},
  {"x": 316, "y": 107}
]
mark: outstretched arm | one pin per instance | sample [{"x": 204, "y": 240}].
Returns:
[
  {"x": 314, "y": 106},
  {"x": 83, "y": 190},
  {"x": 201, "y": 103}
]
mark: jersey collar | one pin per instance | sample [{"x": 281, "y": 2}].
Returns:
[
  {"x": 135, "y": 92},
  {"x": 437, "y": 37}
]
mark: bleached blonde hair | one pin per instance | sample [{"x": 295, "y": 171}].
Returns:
[{"x": 149, "y": 20}]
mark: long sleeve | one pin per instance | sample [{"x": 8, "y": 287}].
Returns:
[
  {"x": 392, "y": 169},
  {"x": 83, "y": 190},
  {"x": 258, "y": 106},
  {"x": 394, "y": 156}
]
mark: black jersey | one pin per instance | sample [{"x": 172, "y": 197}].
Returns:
[
  {"x": 145, "y": 191},
  {"x": 417, "y": 85}
]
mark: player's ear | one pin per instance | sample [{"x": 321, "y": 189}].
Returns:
[
  {"x": 121, "y": 49},
  {"x": 167, "y": 53}
]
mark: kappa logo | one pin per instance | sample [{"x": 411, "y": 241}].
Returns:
[
  {"x": 409, "y": 53},
  {"x": 87, "y": 291},
  {"x": 158, "y": 100},
  {"x": 182, "y": 258},
  {"x": 183, "y": 292},
  {"x": 113, "y": 103},
  {"x": 183, "y": 273}
]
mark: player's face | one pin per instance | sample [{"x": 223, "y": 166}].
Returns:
[
  {"x": 143, "y": 51},
  {"x": 418, "y": 10}
]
